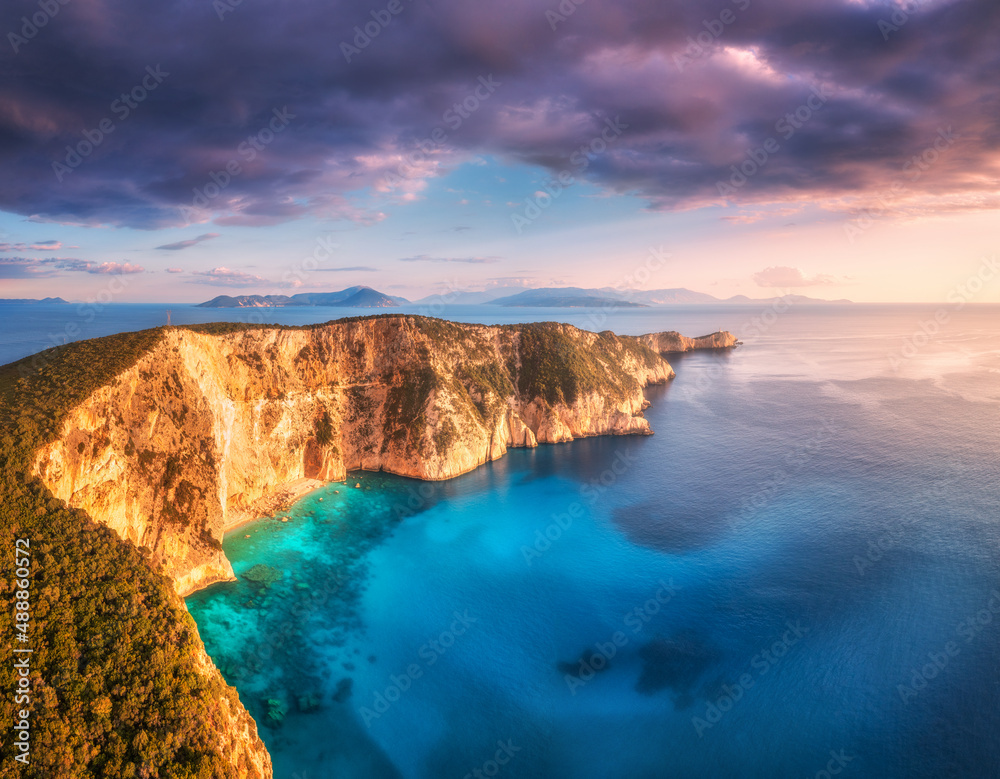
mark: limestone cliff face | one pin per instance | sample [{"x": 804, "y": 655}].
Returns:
[
  {"x": 206, "y": 425},
  {"x": 671, "y": 342}
]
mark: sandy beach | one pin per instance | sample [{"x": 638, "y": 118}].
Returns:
[{"x": 279, "y": 499}]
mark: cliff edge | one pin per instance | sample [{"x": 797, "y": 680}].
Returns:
[
  {"x": 203, "y": 429},
  {"x": 167, "y": 437},
  {"x": 672, "y": 342}
]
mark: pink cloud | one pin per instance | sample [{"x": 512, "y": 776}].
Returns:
[{"x": 784, "y": 276}]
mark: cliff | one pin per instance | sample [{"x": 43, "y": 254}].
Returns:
[
  {"x": 672, "y": 342},
  {"x": 202, "y": 430},
  {"x": 236, "y": 738},
  {"x": 167, "y": 437},
  {"x": 120, "y": 684}
]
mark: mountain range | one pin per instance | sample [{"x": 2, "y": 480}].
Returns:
[
  {"x": 352, "y": 297},
  {"x": 32, "y": 301},
  {"x": 556, "y": 297}
]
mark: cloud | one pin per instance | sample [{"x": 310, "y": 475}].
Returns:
[
  {"x": 467, "y": 260},
  {"x": 190, "y": 242},
  {"x": 24, "y": 268},
  {"x": 115, "y": 268},
  {"x": 41, "y": 246},
  {"x": 346, "y": 268},
  {"x": 50, "y": 267},
  {"x": 226, "y": 277},
  {"x": 686, "y": 119},
  {"x": 175, "y": 270},
  {"x": 783, "y": 276}
]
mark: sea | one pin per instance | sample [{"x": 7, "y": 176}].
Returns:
[{"x": 797, "y": 575}]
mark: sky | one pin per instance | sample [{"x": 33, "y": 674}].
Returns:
[{"x": 182, "y": 149}]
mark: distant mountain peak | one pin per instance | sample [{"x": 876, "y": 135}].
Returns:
[
  {"x": 360, "y": 296},
  {"x": 609, "y": 296},
  {"x": 32, "y": 301}
]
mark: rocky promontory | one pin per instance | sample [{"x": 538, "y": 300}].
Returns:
[
  {"x": 203, "y": 429},
  {"x": 672, "y": 342}
]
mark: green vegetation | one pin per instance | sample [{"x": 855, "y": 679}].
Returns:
[
  {"x": 324, "y": 429},
  {"x": 114, "y": 685},
  {"x": 444, "y": 436},
  {"x": 116, "y": 690},
  {"x": 406, "y": 400},
  {"x": 558, "y": 368}
]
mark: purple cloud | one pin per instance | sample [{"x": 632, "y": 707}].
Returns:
[
  {"x": 226, "y": 277},
  {"x": 467, "y": 260},
  {"x": 43, "y": 246},
  {"x": 847, "y": 109},
  {"x": 38, "y": 267},
  {"x": 177, "y": 246}
]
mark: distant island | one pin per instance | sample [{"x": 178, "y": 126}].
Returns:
[
  {"x": 606, "y": 297},
  {"x": 352, "y": 297},
  {"x": 32, "y": 301},
  {"x": 561, "y": 301}
]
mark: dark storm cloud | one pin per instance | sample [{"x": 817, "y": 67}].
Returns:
[{"x": 170, "y": 113}]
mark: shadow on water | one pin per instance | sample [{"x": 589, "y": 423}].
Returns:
[
  {"x": 671, "y": 529},
  {"x": 676, "y": 664}
]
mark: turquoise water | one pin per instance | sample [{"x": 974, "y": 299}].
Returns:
[
  {"x": 799, "y": 572},
  {"x": 798, "y": 575}
]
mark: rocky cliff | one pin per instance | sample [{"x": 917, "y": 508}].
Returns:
[
  {"x": 237, "y": 739},
  {"x": 672, "y": 342},
  {"x": 207, "y": 424}
]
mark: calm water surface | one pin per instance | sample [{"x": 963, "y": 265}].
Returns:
[{"x": 804, "y": 559}]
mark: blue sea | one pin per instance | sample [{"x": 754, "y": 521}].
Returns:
[{"x": 798, "y": 575}]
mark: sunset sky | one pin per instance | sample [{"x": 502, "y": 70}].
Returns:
[{"x": 833, "y": 148}]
